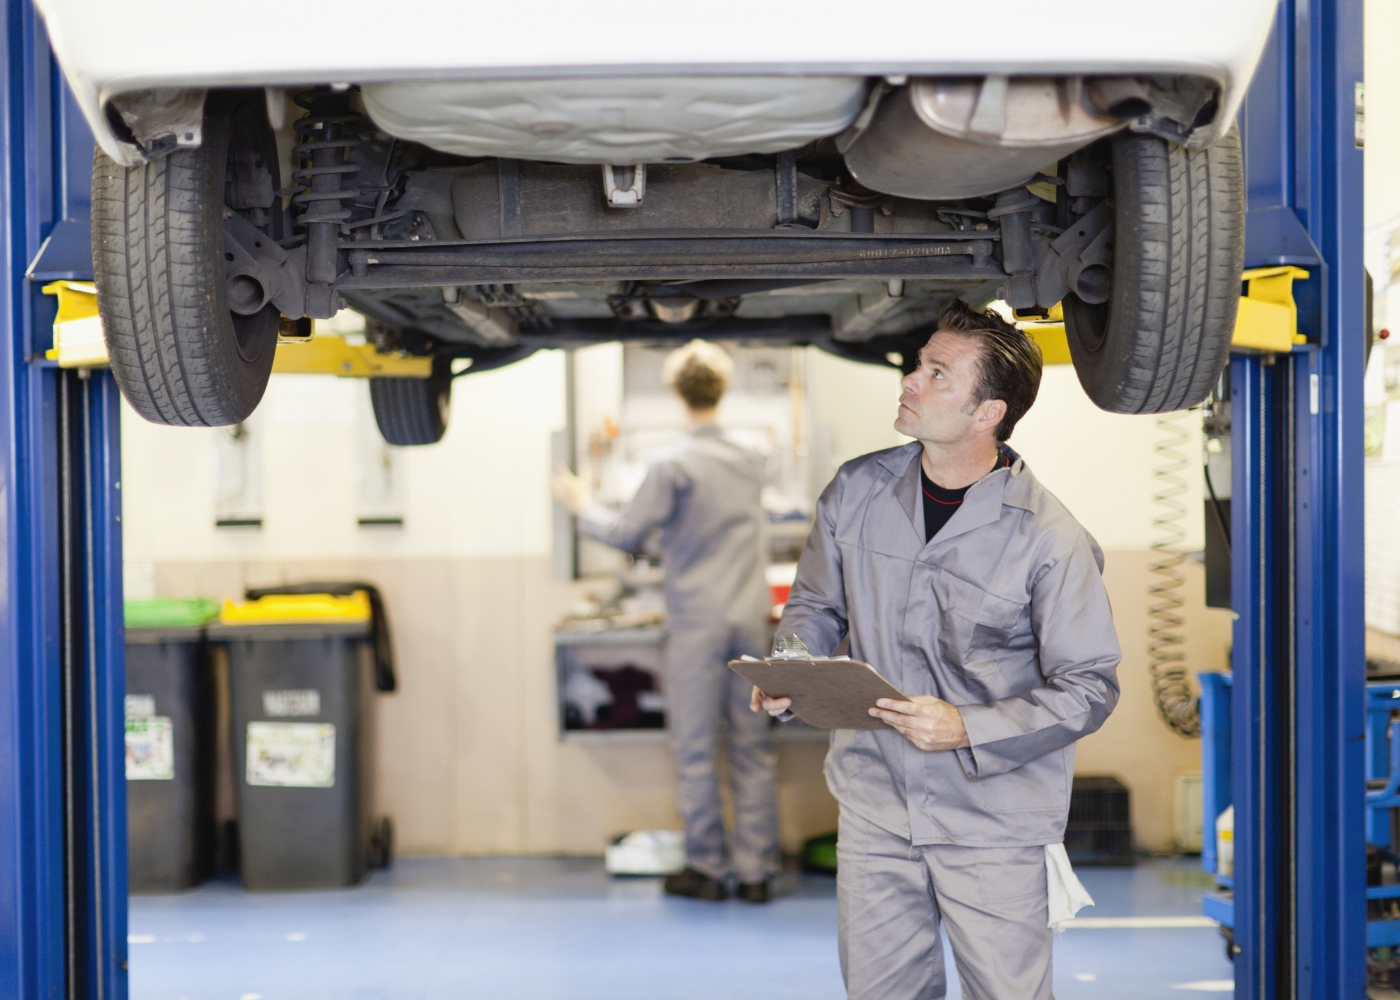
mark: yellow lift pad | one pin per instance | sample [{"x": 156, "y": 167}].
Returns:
[
  {"x": 1268, "y": 317},
  {"x": 296, "y": 609},
  {"x": 77, "y": 330},
  {"x": 1049, "y": 333}
]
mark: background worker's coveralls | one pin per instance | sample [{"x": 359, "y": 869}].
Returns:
[
  {"x": 1003, "y": 614},
  {"x": 704, "y": 495}
]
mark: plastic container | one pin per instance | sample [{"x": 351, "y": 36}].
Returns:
[
  {"x": 646, "y": 852},
  {"x": 169, "y": 745},
  {"x": 1225, "y": 843},
  {"x": 819, "y": 854},
  {"x": 300, "y": 674},
  {"x": 1099, "y": 830}
]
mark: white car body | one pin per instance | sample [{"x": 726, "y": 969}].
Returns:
[{"x": 107, "y": 47}]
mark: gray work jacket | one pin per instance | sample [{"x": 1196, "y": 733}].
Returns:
[
  {"x": 703, "y": 493},
  {"x": 1004, "y": 614}
]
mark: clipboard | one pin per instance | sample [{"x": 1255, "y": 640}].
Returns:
[{"x": 828, "y": 694}]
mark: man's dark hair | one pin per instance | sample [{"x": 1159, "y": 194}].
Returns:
[
  {"x": 1009, "y": 365},
  {"x": 699, "y": 380}
]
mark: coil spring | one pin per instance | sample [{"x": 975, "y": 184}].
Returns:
[
  {"x": 1171, "y": 681},
  {"x": 328, "y": 152}
]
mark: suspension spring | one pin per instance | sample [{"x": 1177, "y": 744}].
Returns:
[
  {"x": 326, "y": 152},
  {"x": 1176, "y": 701}
]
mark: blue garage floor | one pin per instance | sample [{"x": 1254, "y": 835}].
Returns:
[{"x": 546, "y": 928}]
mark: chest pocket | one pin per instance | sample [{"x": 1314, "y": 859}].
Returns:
[{"x": 975, "y": 627}]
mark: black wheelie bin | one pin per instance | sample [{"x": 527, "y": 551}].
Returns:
[
  {"x": 169, "y": 745},
  {"x": 302, "y": 671}
]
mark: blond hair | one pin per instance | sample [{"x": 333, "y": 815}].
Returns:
[{"x": 699, "y": 372}]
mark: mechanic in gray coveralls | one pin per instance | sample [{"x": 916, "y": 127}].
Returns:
[
  {"x": 704, "y": 496},
  {"x": 969, "y": 587}
]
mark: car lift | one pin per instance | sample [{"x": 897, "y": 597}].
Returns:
[{"x": 1298, "y": 718}]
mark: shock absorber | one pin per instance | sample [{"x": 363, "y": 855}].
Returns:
[{"x": 326, "y": 153}]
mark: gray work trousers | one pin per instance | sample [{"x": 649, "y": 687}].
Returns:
[
  {"x": 703, "y": 698},
  {"x": 892, "y": 898}
]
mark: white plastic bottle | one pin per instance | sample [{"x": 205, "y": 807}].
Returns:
[{"x": 1225, "y": 843}]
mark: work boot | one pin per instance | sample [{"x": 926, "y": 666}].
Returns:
[
  {"x": 696, "y": 885},
  {"x": 755, "y": 892}
]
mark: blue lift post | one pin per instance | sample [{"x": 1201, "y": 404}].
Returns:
[
  {"x": 62, "y": 775},
  {"x": 1297, "y": 546}
]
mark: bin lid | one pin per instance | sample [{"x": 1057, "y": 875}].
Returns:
[
  {"x": 169, "y": 613},
  {"x": 160, "y": 636},
  {"x": 340, "y": 615},
  {"x": 292, "y": 632}
]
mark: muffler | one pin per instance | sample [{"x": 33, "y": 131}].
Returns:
[{"x": 968, "y": 137}]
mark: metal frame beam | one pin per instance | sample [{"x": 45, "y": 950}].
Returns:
[
  {"x": 62, "y": 780},
  {"x": 1297, "y": 517}
]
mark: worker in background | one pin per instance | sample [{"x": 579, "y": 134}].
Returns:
[
  {"x": 969, "y": 587},
  {"x": 704, "y": 496}
]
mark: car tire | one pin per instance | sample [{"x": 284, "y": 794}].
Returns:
[
  {"x": 1161, "y": 340},
  {"x": 413, "y": 411},
  {"x": 179, "y": 354}
]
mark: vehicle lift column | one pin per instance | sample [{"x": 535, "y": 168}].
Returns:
[
  {"x": 1297, "y": 556},
  {"x": 1297, "y": 565},
  {"x": 62, "y": 756}
]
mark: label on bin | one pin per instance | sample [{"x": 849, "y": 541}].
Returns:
[
  {"x": 150, "y": 748},
  {"x": 291, "y": 754},
  {"x": 282, "y": 704}
]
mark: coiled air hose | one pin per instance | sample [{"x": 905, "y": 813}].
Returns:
[{"x": 1172, "y": 691}]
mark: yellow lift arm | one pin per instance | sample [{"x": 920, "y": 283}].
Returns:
[
  {"x": 1267, "y": 320},
  {"x": 78, "y": 343}
]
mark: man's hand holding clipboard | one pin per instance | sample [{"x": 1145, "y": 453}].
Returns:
[{"x": 849, "y": 694}]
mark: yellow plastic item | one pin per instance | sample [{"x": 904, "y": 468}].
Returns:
[
  {"x": 329, "y": 355},
  {"x": 1049, "y": 333},
  {"x": 296, "y": 609},
  {"x": 1053, "y": 341},
  {"x": 1268, "y": 317},
  {"x": 77, "y": 330}
]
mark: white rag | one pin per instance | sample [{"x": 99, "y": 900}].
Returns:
[{"x": 1067, "y": 895}]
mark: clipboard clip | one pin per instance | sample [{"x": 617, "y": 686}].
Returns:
[{"x": 786, "y": 646}]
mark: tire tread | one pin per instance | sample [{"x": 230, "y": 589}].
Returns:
[
  {"x": 1178, "y": 255},
  {"x": 159, "y": 288},
  {"x": 410, "y": 411}
]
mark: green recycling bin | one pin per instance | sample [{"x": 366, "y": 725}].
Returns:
[{"x": 169, "y": 745}]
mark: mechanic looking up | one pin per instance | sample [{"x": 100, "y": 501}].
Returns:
[
  {"x": 704, "y": 495},
  {"x": 995, "y": 621}
]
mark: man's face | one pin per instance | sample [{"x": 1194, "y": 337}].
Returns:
[{"x": 936, "y": 404}]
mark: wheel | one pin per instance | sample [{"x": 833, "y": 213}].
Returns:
[
  {"x": 413, "y": 410},
  {"x": 1161, "y": 340},
  {"x": 180, "y": 354}
]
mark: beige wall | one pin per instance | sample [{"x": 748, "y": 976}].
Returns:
[
  {"x": 1382, "y": 73},
  {"x": 1134, "y": 744},
  {"x": 469, "y": 758}
]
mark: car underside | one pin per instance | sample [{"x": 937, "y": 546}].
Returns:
[{"x": 484, "y": 220}]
